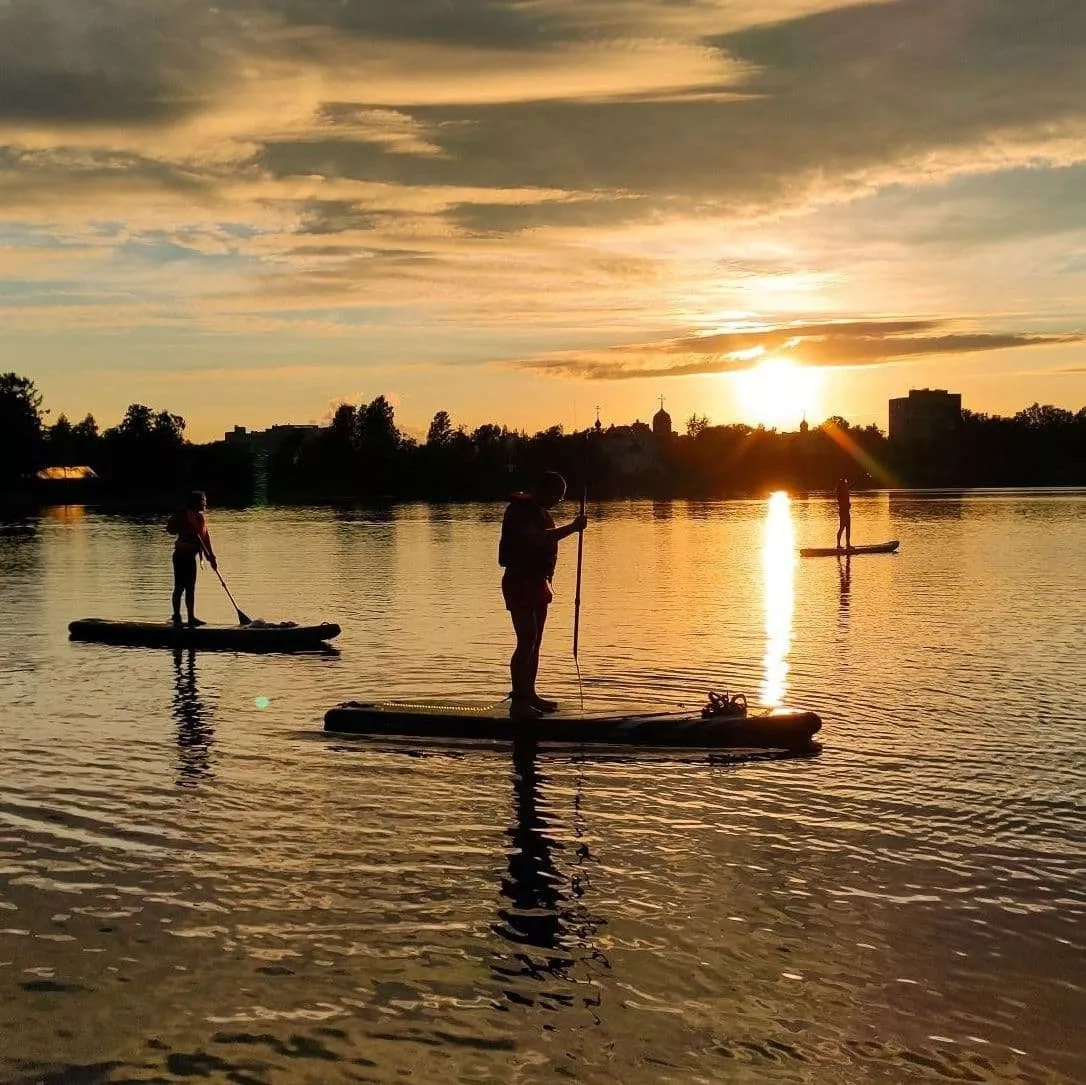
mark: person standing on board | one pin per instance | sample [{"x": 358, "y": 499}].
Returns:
[
  {"x": 844, "y": 513},
  {"x": 528, "y": 552},
  {"x": 190, "y": 526}
]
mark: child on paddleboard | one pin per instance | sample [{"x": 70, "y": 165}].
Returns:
[
  {"x": 528, "y": 552},
  {"x": 193, "y": 541}
]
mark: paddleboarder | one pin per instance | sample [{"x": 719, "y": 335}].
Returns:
[
  {"x": 844, "y": 513},
  {"x": 193, "y": 541},
  {"x": 528, "y": 551}
]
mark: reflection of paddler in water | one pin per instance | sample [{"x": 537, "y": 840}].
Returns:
[
  {"x": 194, "y": 731},
  {"x": 844, "y": 572},
  {"x": 544, "y": 913}
]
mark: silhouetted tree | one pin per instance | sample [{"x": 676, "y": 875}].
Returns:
[
  {"x": 60, "y": 442},
  {"x": 344, "y": 426},
  {"x": 21, "y": 420},
  {"x": 696, "y": 425},
  {"x": 362, "y": 454},
  {"x": 86, "y": 442},
  {"x": 440, "y": 432},
  {"x": 377, "y": 427},
  {"x": 144, "y": 454}
]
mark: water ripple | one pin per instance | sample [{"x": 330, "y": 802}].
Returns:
[{"x": 185, "y": 856}]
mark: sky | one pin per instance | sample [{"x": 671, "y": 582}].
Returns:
[{"x": 518, "y": 211}]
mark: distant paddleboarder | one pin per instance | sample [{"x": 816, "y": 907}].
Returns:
[
  {"x": 844, "y": 513},
  {"x": 528, "y": 552},
  {"x": 193, "y": 541}
]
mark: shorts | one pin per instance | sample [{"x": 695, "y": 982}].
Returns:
[
  {"x": 526, "y": 593},
  {"x": 184, "y": 570}
]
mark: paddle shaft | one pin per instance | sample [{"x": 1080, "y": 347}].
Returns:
[
  {"x": 580, "y": 561},
  {"x": 243, "y": 618}
]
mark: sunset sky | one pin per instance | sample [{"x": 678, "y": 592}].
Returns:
[{"x": 246, "y": 212}]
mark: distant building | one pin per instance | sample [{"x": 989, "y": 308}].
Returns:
[
  {"x": 925, "y": 418},
  {"x": 631, "y": 451},
  {"x": 267, "y": 439},
  {"x": 661, "y": 422}
]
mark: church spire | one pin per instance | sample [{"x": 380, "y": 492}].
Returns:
[{"x": 661, "y": 422}]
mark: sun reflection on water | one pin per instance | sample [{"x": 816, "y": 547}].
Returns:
[{"x": 779, "y": 579}]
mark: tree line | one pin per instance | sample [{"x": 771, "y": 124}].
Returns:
[{"x": 362, "y": 455}]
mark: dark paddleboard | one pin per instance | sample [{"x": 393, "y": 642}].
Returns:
[
  {"x": 444, "y": 720},
  {"x": 832, "y": 551},
  {"x": 258, "y": 637}
]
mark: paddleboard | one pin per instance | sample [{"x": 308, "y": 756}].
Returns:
[
  {"x": 258, "y": 637},
  {"x": 832, "y": 551},
  {"x": 441, "y": 720}
]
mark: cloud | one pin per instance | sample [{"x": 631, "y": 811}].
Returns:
[
  {"x": 82, "y": 62},
  {"x": 854, "y": 343},
  {"x": 550, "y": 175}
]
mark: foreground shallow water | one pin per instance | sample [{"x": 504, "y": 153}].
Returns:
[{"x": 196, "y": 882}]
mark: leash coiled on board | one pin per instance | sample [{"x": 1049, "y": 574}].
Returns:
[{"x": 724, "y": 704}]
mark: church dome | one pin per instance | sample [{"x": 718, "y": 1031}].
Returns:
[{"x": 661, "y": 421}]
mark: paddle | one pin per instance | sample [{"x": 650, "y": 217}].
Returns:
[
  {"x": 243, "y": 618},
  {"x": 580, "y": 562},
  {"x": 577, "y": 592}
]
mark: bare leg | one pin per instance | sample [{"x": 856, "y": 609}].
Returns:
[
  {"x": 533, "y": 665},
  {"x": 848, "y": 533},
  {"x": 190, "y": 600},
  {"x": 521, "y": 666},
  {"x": 840, "y": 529},
  {"x": 178, "y": 587}
]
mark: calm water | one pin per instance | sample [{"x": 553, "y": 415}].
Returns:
[{"x": 196, "y": 883}]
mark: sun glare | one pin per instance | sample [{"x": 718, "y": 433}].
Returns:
[
  {"x": 779, "y": 577},
  {"x": 778, "y": 392}
]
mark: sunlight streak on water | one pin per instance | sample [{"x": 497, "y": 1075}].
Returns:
[{"x": 779, "y": 573}]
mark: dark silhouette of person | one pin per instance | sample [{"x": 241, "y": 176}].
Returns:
[
  {"x": 194, "y": 731},
  {"x": 529, "y": 552},
  {"x": 844, "y": 513},
  {"x": 193, "y": 541}
]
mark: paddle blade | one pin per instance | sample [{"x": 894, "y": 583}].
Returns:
[{"x": 243, "y": 618}]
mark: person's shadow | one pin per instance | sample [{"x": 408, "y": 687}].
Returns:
[
  {"x": 195, "y": 734},
  {"x": 544, "y": 916}
]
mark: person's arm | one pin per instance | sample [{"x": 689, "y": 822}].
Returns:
[
  {"x": 205, "y": 542},
  {"x": 557, "y": 534},
  {"x": 532, "y": 534}
]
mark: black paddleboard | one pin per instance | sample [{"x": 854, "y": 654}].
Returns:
[
  {"x": 258, "y": 637},
  {"x": 443, "y": 720},
  {"x": 852, "y": 551}
]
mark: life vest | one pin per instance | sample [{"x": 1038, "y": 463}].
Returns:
[
  {"x": 190, "y": 527},
  {"x": 522, "y": 551}
]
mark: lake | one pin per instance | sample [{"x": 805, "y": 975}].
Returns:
[{"x": 197, "y": 883}]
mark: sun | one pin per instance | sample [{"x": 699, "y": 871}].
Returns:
[{"x": 778, "y": 392}]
